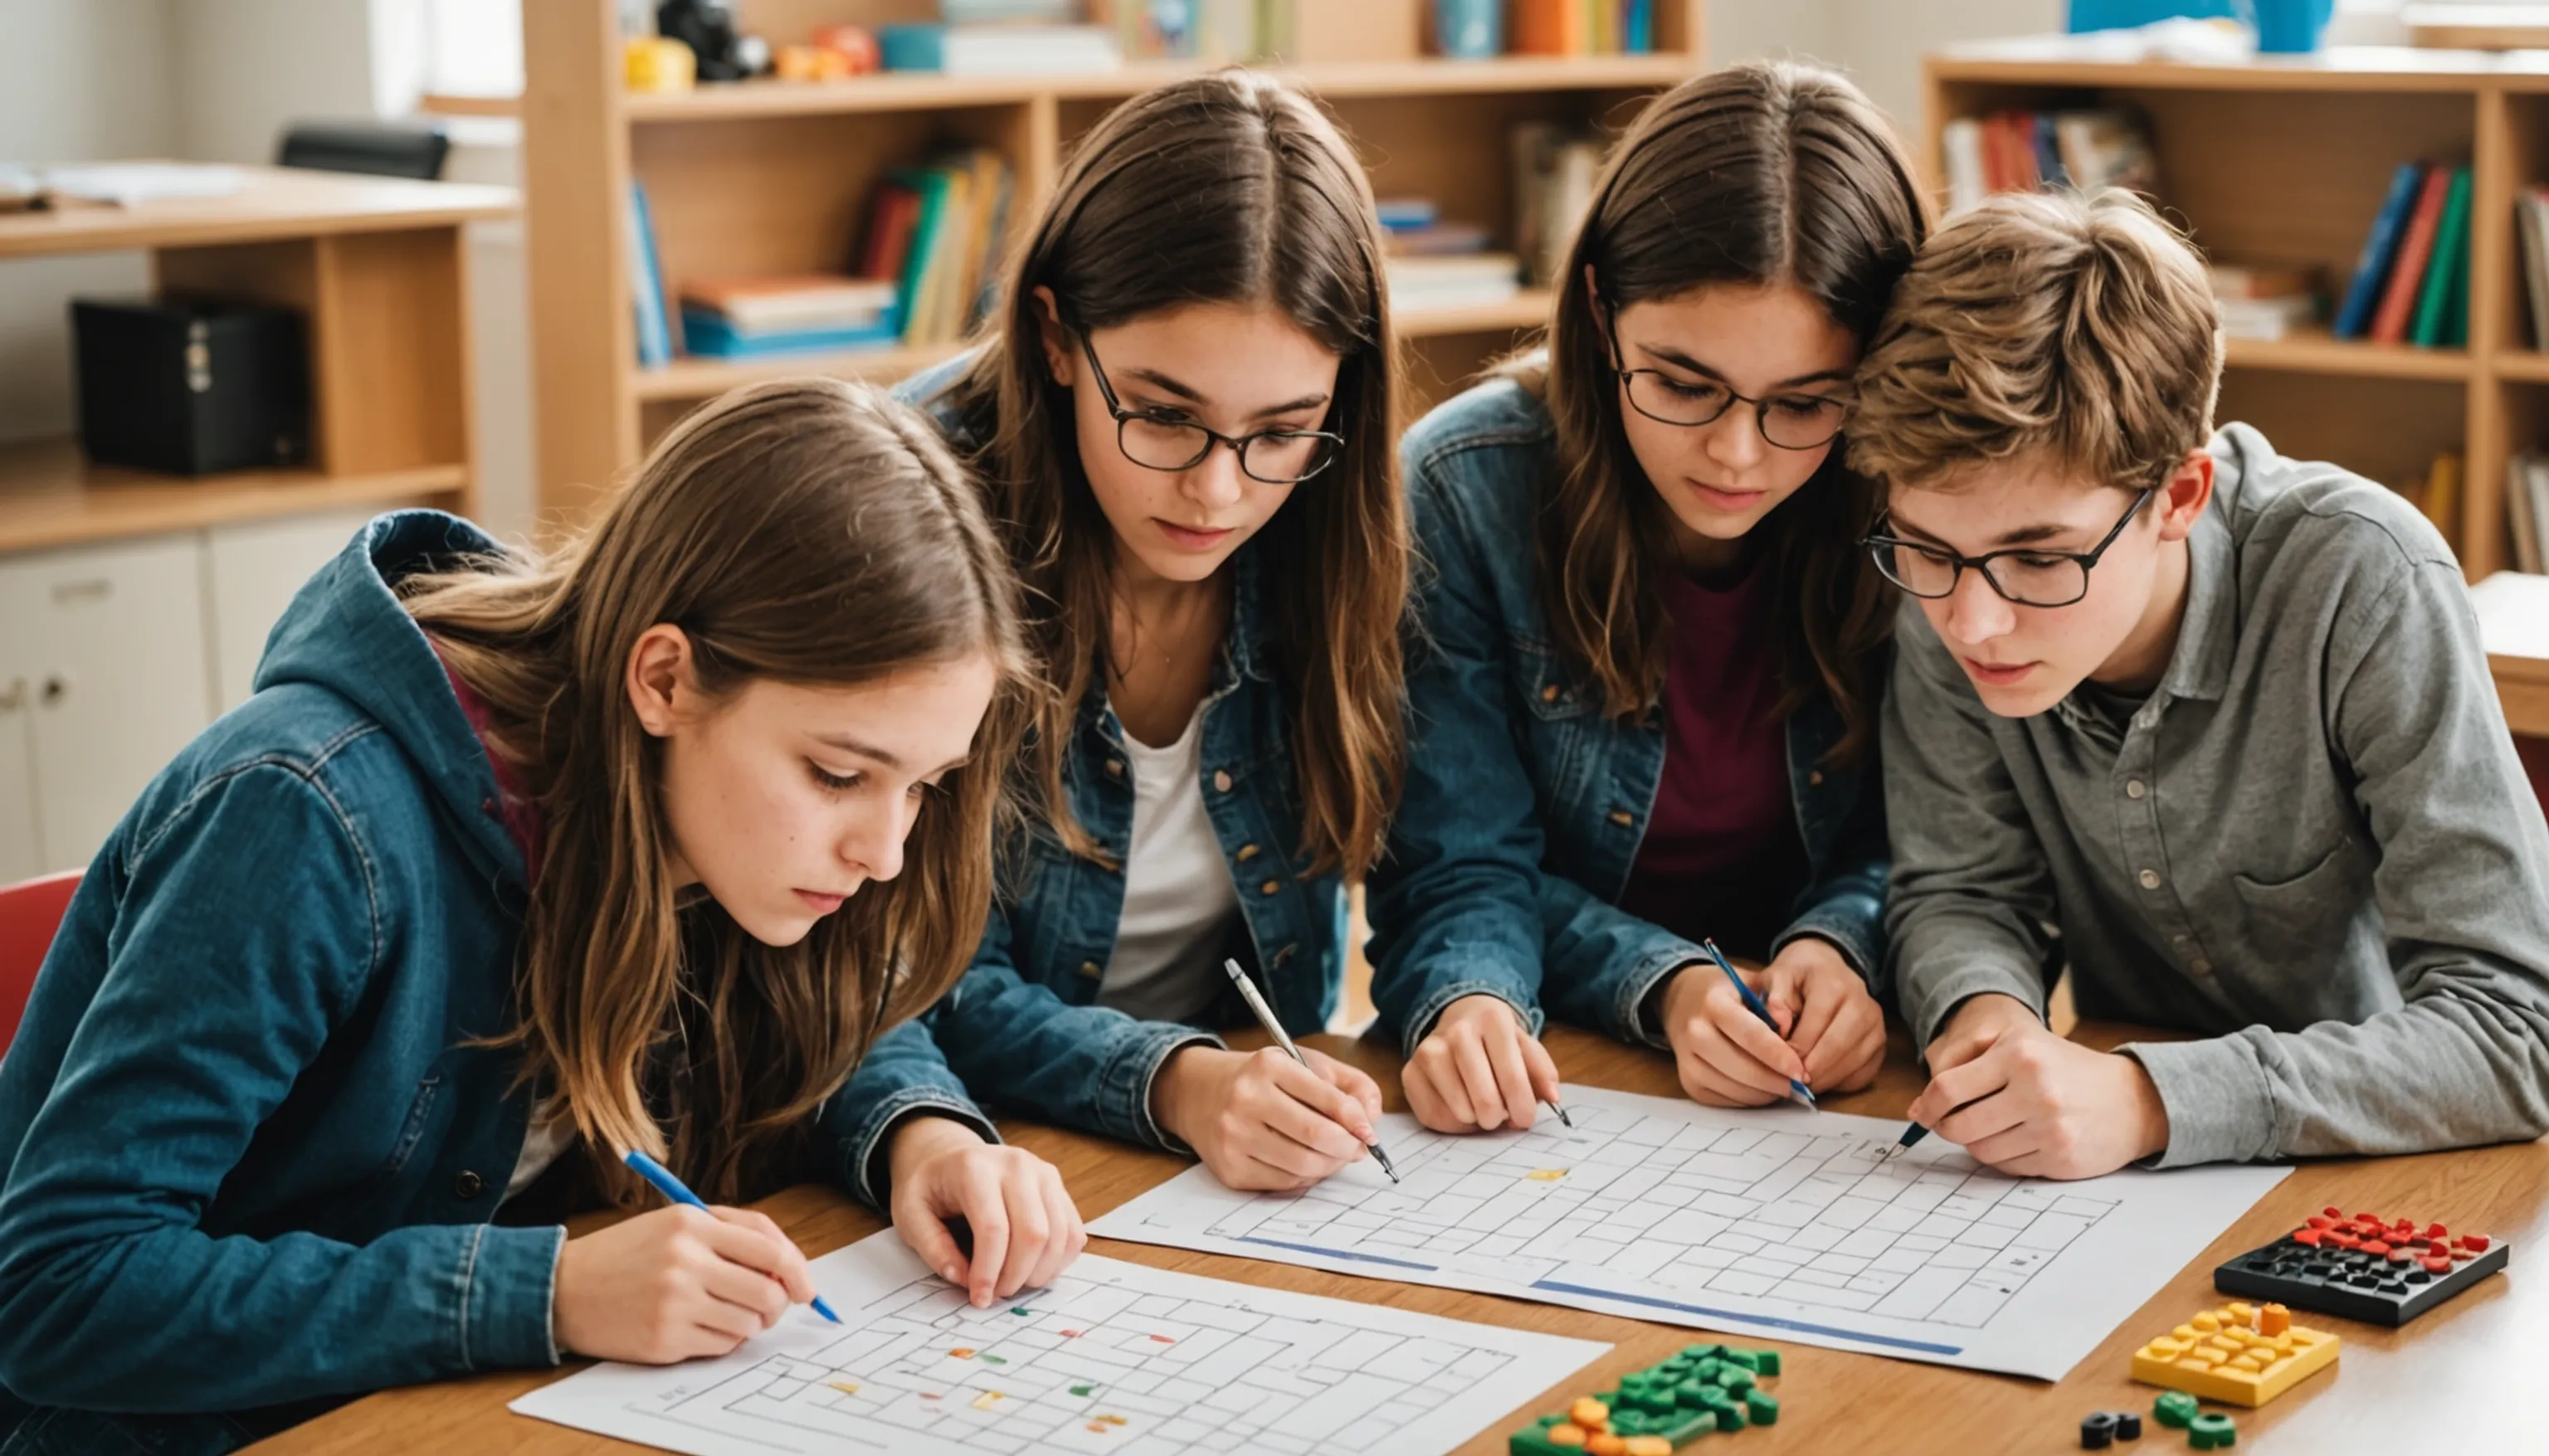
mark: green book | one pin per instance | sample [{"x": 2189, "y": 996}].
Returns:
[
  {"x": 932, "y": 184},
  {"x": 2451, "y": 261}
]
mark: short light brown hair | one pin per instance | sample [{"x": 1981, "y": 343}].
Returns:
[{"x": 2079, "y": 329}]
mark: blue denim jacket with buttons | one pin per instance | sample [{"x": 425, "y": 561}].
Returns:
[
  {"x": 248, "y": 1154},
  {"x": 1023, "y": 1027},
  {"x": 1524, "y": 803}
]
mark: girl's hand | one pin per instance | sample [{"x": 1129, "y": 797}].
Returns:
[
  {"x": 1478, "y": 1069},
  {"x": 1830, "y": 1019},
  {"x": 675, "y": 1284},
  {"x": 1261, "y": 1119},
  {"x": 1025, "y": 1227},
  {"x": 2034, "y": 1105},
  {"x": 1723, "y": 1054}
]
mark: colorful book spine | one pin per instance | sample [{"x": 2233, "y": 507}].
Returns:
[
  {"x": 2451, "y": 258},
  {"x": 646, "y": 283},
  {"x": 2380, "y": 250},
  {"x": 2415, "y": 250}
]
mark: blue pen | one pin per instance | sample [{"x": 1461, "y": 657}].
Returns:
[
  {"x": 671, "y": 1187},
  {"x": 1754, "y": 1004}
]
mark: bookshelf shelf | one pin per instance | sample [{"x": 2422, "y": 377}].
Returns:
[
  {"x": 2315, "y": 352},
  {"x": 51, "y": 496},
  {"x": 2287, "y": 161},
  {"x": 768, "y": 178}
]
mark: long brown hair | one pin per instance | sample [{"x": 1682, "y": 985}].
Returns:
[
  {"x": 804, "y": 531},
  {"x": 1222, "y": 188},
  {"x": 1761, "y": 173}
]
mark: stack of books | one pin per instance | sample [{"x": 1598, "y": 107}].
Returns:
[
  {"x": 2526, "y": 495},
  {"x": 1553, "y": 188},
  {"x": 2411, "y": 281},
  {"x": 2438, "y": 495},
  {"x": 2531, "y": 217},
  {"x": 2265, "y": 301},
  {"x": 2024, "y": 150},
  {"x": 936, "y": 231},
  {"x": 755, "y": 318},
  {"x": 1434, "y": 265},
  {"x": 1583, "y": 28}
]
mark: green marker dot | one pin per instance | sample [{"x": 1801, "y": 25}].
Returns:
[{"x": 1083, "y": 1390}]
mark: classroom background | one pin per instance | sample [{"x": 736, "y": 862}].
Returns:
[{"x": 269, "y": 267}]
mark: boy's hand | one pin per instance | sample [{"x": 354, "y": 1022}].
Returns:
[
  {"x": 1261, "y": 1119},
  {"x": 2028, "y": 1102},
  {"x": 1024, "y": 1225},
  {"x": 1478, "y": 1069},
  {"x": 1827, "y": 1014}
]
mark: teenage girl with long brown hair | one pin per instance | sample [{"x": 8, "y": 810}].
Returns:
[
  {"x": 1182, "y": 416},
  {"x": 642, "y": 845},
  {"x": 1645, "y": 694}
]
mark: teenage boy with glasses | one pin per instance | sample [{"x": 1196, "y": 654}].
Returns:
[{"x": 2207, "y": 725}]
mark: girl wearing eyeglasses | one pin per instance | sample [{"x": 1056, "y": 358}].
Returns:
[
  {"x": 1182, "y": 414},
  {"x": 1643, "y": 696}
]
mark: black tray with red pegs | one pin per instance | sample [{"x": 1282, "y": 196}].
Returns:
[{"x": 2364, "y": 1267}]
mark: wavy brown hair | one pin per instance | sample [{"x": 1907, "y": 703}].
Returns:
[
  {"x": 805, "y": 532},
  {"x": 1761, "y": 173},
  {"x": 1223, "y": 188}
]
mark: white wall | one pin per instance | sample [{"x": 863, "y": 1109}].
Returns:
[
  {"x": 1882, "y": 41},
  {"x": 245, "y": 67},
  {"x": 89, "y": 79}
]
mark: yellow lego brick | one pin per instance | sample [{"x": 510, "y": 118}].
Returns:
[{"x": 2224, "y": 1354}]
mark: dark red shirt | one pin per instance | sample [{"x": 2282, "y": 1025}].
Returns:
[
  {"x": 520, "y": 811},
  {"x": 1722, "y": 855}
]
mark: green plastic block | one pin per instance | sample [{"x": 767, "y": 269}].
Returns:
[
  {"x": 1735, "y": 1379},
  {"x": 1762, "y": 1406},
  {"x": 1690, "y": 1426},
  {"x": 1533, "y": 1440},
  {"x": 1765, "y": 1362},
  {"x": 2174, "y": 1408},
  {"x": 2211, "y": 1431},
  {"x": 1705, "y": 1371},
  {"x": 1748, "y": 1359},
  {"x": 1636, "y": 1422},
  {"x": 1702, "y": 1352}
]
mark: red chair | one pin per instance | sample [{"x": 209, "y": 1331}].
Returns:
[{"x": 29, "y": 913}]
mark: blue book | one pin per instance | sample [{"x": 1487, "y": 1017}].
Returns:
[
  {"x": 2380, "y": 249},
  {"x": 646, "y": 282},
  {"x": 2049, "y": 171},
  {"x": 1638, "y": 28},
  {"x": 709, "y": 335}
]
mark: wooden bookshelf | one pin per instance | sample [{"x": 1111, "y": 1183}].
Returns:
[
  {"x": 375, "y": 265},
  {"x": 2286, "y": 160},
  {"x": 772, "y": 177}
]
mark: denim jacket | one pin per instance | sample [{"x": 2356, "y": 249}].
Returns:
[
  {"x": 248, "y": 1154},
  {"x": 1524, "y": 803},
  {"x": 1023, "y": 1027}
]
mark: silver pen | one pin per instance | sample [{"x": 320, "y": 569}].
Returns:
[{"x": 1266, "y": 1017}]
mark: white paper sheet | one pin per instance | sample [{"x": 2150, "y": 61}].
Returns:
[
  {"x": 1782, "y": 1222},
  {"x": 1116, "y": 1357}
]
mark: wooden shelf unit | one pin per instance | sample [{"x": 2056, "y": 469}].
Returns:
[
  {"x": 2287, "y": 161},
  {"x": 375, "y": 265},
  {"x": 768, "y": 177}
]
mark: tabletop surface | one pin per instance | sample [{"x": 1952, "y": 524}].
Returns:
[
  {"x": 2464, "y": 1377},
  {"x": 269, "y": 203}
]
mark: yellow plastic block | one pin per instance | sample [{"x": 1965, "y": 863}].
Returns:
[
  {"x": 1547, "y": 1175},
  {"x": 655, "y": 63},
  {"x": 2225, "y": 1355}
]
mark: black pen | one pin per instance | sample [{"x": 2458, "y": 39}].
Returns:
[{"x": 1266, "y": 1017}]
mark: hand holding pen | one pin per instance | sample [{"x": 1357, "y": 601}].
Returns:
[
  {"x": 1266, "y": 1017},
  {"x": 1729, "y": 1046}
]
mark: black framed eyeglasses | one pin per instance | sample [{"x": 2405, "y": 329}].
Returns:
[
  {"x": 1789, "y": 422},
  {"x": 2024, "y": 575},
  {"x": 1159, "y": 441}
]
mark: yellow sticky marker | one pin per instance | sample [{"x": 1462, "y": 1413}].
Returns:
[
  {"x": 986, "y": 1400},
  {"x": 845, "y": 1387},
  {"x": 1547, "y": 1175}
]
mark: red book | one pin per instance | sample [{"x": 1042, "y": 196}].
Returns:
[{"x": 2408, "y": 274}]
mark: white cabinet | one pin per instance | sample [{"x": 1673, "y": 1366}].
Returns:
[
  {"x": 253, "y": 571},
  {"x": 110, "y": 643}
]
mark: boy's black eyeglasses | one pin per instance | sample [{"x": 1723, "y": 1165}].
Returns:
[
  {"x": 1157, "y": 440},
  {"x": 1789, "y": 422},
  {"x": 2024, "y": 575}
]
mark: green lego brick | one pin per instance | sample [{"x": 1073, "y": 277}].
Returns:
[
  {"x": 1636, "y": 1422},
  {"x": 1748, "y": 1359},
  {"x": 1702, "y": 1352},
  {"x": 1533, "y": 1440},
  {"x": 2174, "y": 1408},
  {"x": 1707, "y": 1370},
  {"x": 1765, "y": 1362},
  {"x": 1735, "y": 1379},
  {"x": 2211, "y": 1431},
  {"x": 1762, "y": 1406},
  {"x": 1690, "y": 1426}
]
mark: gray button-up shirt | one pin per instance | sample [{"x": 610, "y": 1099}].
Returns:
[{"x": 2312, "y": 842}]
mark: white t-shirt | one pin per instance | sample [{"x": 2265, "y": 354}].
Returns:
[
  {"x": 546, "y": 1141},
  {"x": 1177, "y": 895}
]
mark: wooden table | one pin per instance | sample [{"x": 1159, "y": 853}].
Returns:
[
  {"x": 2464, "y": 1378},
  {"x": 2513, "y": 625}
]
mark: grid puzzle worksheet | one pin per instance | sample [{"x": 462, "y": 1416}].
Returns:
[
  {"x": 1114, "y": 1358},
  {"x": 1779, "y": 1221}
]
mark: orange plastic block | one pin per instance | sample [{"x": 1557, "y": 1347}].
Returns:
[{"x": 2227, "y": 1355}]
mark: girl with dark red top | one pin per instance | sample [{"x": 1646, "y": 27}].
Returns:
[{"x": 1644, "y": 694}]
